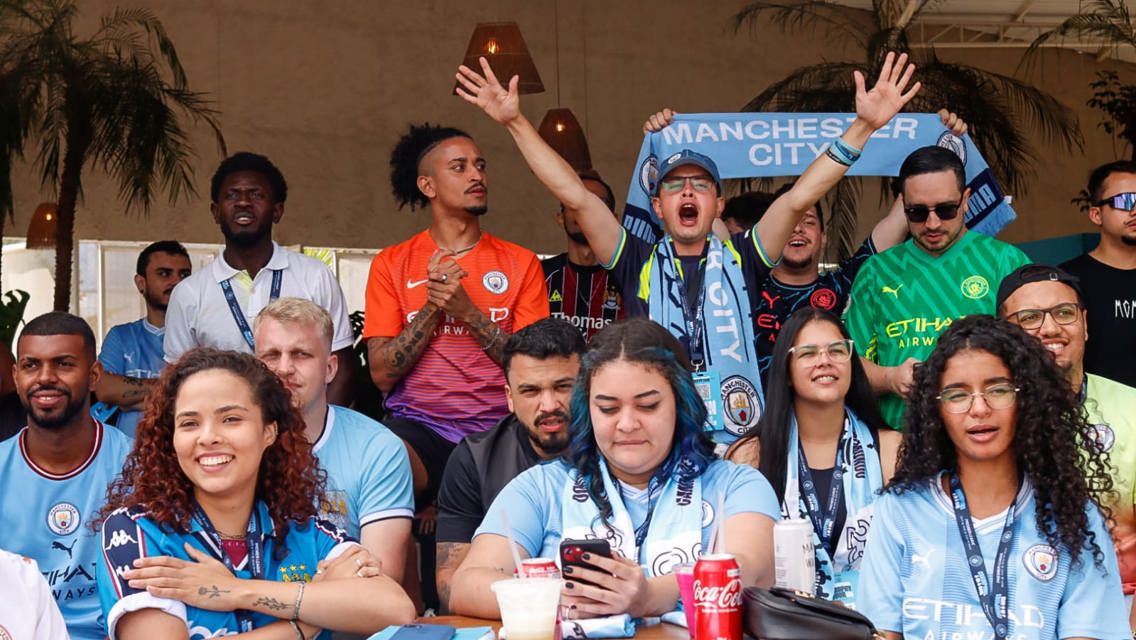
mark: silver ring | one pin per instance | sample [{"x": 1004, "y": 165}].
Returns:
[
  {"x": 444, "y": 277},
  {"x": 359, "y": 573}
]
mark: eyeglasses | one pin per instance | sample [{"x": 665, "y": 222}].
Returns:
[
  {"x": 1120, "y": 201},
  {"x": 996, "y": 396},
  {"x": 920, "y": 212},
  {"x": 698, "y": 183},
  {"x": 1064, "y": 313},
  {"x": 839, "y": 351}
]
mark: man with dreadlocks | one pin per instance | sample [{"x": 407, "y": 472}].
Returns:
[{"x": 441, "y": 305}]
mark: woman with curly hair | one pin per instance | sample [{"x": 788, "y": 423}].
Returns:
[
  {"x": 992, "y": 525},
  {"x": 640, "y": 474},
  {"x": 211, "y": 529},
  {"x": 823, "y": 444}
]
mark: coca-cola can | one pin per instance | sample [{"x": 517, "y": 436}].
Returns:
[
  {"x": 717, "y": 598},
  {"x": 538, "y": 568},
  {"x": 793, "y": 555}
]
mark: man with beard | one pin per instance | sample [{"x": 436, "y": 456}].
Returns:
[
  {"x": 579, "y": 289},
  {"x": 440, "y": 307},
  {"x": 906, "y": 296},
  {"x": 132, "y": 354},
  {"x": 702, "y": 289},
  {"x": 1108, "y": 273},
  {"x": 215, "y": 306},
  {"x": 1049, "y": 304},
  {"x": 368, "y": 492},
  {"x": 541, "y": 362},
  {"x": 55, "y": 472}
]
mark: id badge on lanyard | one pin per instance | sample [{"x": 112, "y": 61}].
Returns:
[{"x": 708, "y": 384}]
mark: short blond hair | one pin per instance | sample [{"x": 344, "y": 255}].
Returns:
[{"x": 298, "y": 311}]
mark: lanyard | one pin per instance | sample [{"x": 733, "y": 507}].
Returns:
[
  {"x": 823, "y": 521},
  {"x": 653, "y": 490},
  {"x": 995, "y": 597},
  {"x": 238, "y": 315},
  {"x": 692, "y": 314},
  {"x": 255, "y": 552}
]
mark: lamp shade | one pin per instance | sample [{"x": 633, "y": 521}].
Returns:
[
  {"x": 562, "y": 132},
  {"x": 502, "y": 44},
  {"x": 41, "y": 230}
]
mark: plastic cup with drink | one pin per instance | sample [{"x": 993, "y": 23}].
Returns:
[{"x": 528, "y": 607}]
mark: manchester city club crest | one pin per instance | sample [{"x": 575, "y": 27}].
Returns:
[
  {"x": 495, "y": 282},
  {"x": 1103, "y": 436},
  {"x": 950, "y": 141},
  {"x": 4, "y": 634},
  {"x": 1040, "y": 561},
  {"x": 648, "y": 173},
  {"x": 63, "y": 519},
  {"x": 975, "y": 287},
  {"x": 739, "y": 400}
]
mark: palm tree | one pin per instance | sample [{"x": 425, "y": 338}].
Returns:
[
  {"x": 1110, "y": 23},
  {"x": 998, "y": 108},
  {"x": 110, "y": 101}
]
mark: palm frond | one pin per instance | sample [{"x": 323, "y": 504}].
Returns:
[
  {"x": 801, "y": 15},
  {"x": 819, "y": 87},
  {"x": 1106, "y": 20},
  {"x": 121, "y": 28}
]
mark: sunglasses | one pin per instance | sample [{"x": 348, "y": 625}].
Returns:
[
  {"x": 920, "y": 212},
  {"x": 1120, "y": 201}
]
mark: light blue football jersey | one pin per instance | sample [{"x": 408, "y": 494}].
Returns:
[
  {"x": 914, "y": 577},
  {"x": 368, "y": 471},
  {"x": 47, "y": 516},
  {"x": 133, "y": 350},
  {"x": 128, "y": 535}
]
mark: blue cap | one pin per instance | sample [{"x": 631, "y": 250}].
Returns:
[{"x": 683, "y": 158}]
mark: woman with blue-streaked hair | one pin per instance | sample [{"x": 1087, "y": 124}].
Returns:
[{"x": 641, "y": 474}]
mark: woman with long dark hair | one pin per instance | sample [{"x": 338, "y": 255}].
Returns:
[
  {"x": 822, "y": 443},
  {"x": 992, "y": 525},
  {"x": 641, "y": 474},
  {"x": 211, "y": 529}
]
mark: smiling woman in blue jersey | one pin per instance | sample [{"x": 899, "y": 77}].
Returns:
[
  {"x": 991, "y": 527},
  {"x": 823, "y": 444},
  {"x": 641, "y": 474},
  {"x": 211, "y": 530}
]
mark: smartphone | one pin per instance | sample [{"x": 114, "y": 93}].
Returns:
[
  {"x": 424, "y": 632},
  {"x": 572, "y": 554}
]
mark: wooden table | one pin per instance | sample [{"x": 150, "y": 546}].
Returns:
[{"x": 654, "y": 632}]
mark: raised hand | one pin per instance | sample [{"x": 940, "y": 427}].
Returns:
[
  {"x": 877, "y": 106},
  {"x": 484, "y": 90}
]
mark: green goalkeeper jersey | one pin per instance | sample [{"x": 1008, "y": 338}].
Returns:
[{"x": 904, "y": 298}]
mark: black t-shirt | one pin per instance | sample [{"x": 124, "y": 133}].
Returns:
[
  {"x": 1110, "y": 298},
  {"x": 584, "y": 296},
  {"x": 778, "y": 301},
  {"x": 480, "y": 466},
  {"x": 12, "y": 416}
]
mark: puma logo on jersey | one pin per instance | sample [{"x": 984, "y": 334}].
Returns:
[
  {"x": 119, "y": 538},
  {"x": 55, "y": 544},
  {"x": 923, "y": 560},
  {"x": 894, "y": 292}
]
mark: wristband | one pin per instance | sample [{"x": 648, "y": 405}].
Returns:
[
  {"x": 299, "y": 632},
  {"x": 843, "y": 153},
  {"x": 296, "y": 606}
]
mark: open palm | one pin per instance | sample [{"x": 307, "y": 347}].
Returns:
[
  {"x": 486, "y": 92},
  {"x": 887, "y": 97}
]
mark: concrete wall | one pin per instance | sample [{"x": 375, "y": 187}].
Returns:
[{"x": 325, "y": 88}]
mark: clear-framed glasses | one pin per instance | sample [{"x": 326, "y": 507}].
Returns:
[
  {"x": 839, "y": 351},
  {"x": 997, "y": 396},
  {"x": 1064, "y": 313},
  {"x": 920, "y": 212},
  {"x": 698, "y": 183},
  {"x": 1120, "y": 201}
]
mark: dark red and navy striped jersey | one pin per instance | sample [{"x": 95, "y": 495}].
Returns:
[{"x": 584, "y": 296}]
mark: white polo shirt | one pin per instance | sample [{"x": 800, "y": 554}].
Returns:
[
  {"x": 199, "y": 315},
  {"x": 27, "y": 608}
]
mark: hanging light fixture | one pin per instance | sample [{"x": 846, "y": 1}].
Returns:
[
  {"x": 562, "y": 132},
  {"x": 42, "y": 228},
  {"x": 560, "y": 128},
  {"x": 502, "y": 44}
]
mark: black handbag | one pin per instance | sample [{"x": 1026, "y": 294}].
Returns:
[{"x": 784, "y": 614}]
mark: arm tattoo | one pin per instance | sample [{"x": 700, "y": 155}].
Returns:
[
  {"x": 272, "y": 604},
  {"x": 450, "y": 556},
  {"x": 395, "y": 357},
  {"x": 138, "y": 388},
  {"x": 490, "y": 336},
  {"x": 212, "y": 592}
]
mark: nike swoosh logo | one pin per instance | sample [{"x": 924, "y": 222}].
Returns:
[{"x": 410, "y": 284}]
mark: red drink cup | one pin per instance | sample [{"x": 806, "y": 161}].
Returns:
[
  {"x": 717, "y": 598},
  {"x": 684, "y": 575}
]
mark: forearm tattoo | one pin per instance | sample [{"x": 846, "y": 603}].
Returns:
[
  {"x": 272, "y": 604},
  {"x": 490, "y": 336},
  {"x": 399, "y": 355}
]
